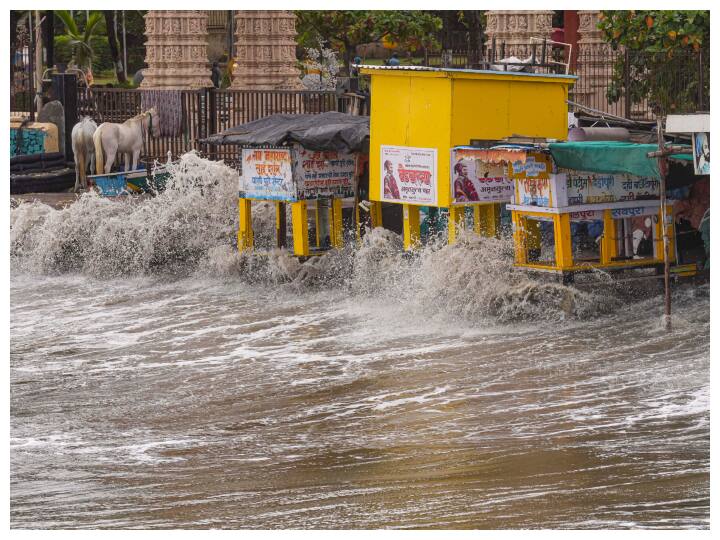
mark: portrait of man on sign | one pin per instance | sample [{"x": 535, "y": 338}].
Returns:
[{"x": 390, "y": 187}]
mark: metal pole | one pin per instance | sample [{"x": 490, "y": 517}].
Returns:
[{"x": 662, "y": 166}]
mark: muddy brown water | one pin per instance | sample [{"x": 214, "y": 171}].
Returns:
[
  {"x": 143, "y": 403},
  {"x": 159, "y": 380}
]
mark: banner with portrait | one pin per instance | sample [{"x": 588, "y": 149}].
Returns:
[
  {"x": 475, "y": 180},
  {"x": 408, "y": 175}
]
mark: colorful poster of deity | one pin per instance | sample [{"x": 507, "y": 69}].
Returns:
[
  {"x": 267, "y": 175},
  {"x": 409, "y": 175},
  {"x": 477, "y": 181},
  {"x": 324, "y": 174}
]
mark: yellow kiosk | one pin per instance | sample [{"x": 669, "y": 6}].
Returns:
[
  {"x": 313, "y": 162},
  {"x": 604, "y": 192},
  {"x": 418, "y": 115}
]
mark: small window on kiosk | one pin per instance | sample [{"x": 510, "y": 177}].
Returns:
[
  {"x": 586, "y": 239},
  {"x": 539, "y": 240}
]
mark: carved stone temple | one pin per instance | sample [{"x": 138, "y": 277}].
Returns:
[
  {"x": 176, "y": 50},
  {"x": 265, "y": 51}
]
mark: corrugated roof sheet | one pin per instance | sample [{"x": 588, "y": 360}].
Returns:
[{"x": 458, "y": 70}]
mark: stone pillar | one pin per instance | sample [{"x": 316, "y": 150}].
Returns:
[
  {"x": 594, "y": 66},
  {"x": 515, "y": 28},
  {"x": 265, "y": 51},
  {"x": 176, "y": 50}
]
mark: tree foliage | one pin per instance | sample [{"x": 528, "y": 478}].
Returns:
[
  {"x": 662, "y": 59},
  {"x": 345, "y": 30},
  {"x": 80, "y": 41}
]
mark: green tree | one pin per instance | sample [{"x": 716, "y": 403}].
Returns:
[
  {"x": 345, "y": 30},
  {"x": 80, "y": 42},
  {"x": 662, "y": 58},
  {"x": 110, "y": 23}
]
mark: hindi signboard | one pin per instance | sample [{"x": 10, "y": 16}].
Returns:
[
  {"x": 322, "y": 174},
  {"x": 409, "y": 175},
  {"x": 579, "y": 188},
  {"x": 476, "y": 180},
  {"x": 267, "y": 174}
]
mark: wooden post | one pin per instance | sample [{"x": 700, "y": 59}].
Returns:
[{"x": 662, "y": 165}]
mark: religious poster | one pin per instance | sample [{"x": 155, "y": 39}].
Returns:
[
  {"x": 477, "y": 181},
  {"x": 408, "y": 175},
  {"x": 324, "y": 174},
  {"x": 701, "y": 153},
  {"x": 267, "y": 174}
]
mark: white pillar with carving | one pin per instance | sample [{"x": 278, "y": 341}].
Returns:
[
  {"x": 265, "y": 51},
  {"x": 515, "y": 28},
  {"x": 176, "y": 50}
]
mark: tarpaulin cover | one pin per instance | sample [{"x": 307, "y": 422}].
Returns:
[
  {"x": 330, "y": 131},
  {"x": 609, "y": 157}
]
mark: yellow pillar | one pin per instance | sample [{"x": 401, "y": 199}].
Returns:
[
  {"x": 519, "y": 237},
  {"x": 563, "y": 242},
  {"x": 486, "y": 218},
  {"x": 245, "y": 231},
  {"x": 456, "y": 222},
  {"x": 608, "y": 245},
  {"x": 300, "y": 229},
  {"x": 336, "y": 224},
  {"x": 376, "y": 214},
  {"x": 411, "y": 226}
]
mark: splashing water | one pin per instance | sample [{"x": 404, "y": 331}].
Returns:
[
  {"x": 191, "y": 228},
  {"x": 152, "y": 363}
]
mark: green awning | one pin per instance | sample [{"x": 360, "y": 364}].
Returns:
[{"x": 609, "y": 157}]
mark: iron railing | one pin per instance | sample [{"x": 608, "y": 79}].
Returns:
[{"x": 204, "y": 112}]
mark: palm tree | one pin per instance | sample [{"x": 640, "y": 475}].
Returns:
[{"x": 80, "y": 42}]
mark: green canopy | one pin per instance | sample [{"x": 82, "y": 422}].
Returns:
[{"x": 609, "y": 157}]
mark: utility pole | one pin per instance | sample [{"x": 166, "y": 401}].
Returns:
[{"x": 662, "y": 166}]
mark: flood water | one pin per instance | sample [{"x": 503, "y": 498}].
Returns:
[{"x": 206, "y": 399}]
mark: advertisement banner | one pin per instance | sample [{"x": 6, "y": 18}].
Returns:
[
  {"x": 324, "y": 174},
  {"x": 409, "y": 174},
  {"x": 477, "y": 181},
  {"x": 593, "y": 188},
  {"x": 267, "y": 174}
]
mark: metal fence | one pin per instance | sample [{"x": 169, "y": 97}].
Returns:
[
  {"x": 204, "y": 112},
  {"x": 636, "y": 85},
  {"x": 629, "y": 84}
]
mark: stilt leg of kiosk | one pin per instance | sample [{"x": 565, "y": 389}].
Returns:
[
  {"x": 336, "y": 224},
  {"x": 456, "y": 222},
  {"x": 280, "y": 225},
  {"x": 563, "y": 246},
  {"x": 300, "y": 229},
  {"x": 411, "y": 226},
  {"x": 376, "y": 214},
  {"x": 486, "y": 218},
  {"x": 608, "y": 244},
  {"x": 245, "y": 231}
]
